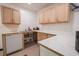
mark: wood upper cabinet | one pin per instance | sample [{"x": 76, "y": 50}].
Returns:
[
  {"x": 55, "y": 14},
  {"x": 47, "y": 16},
  {"x": 16, "y": 16},
  {"x": 6, "y": 15},
  {"x": 10, "y": 16},
  {"x": 63, "y": 12},
  {"x": 52, "y": 15},
  {"x": 43, "y": 17}
]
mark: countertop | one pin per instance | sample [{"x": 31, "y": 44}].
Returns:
[{"x": 62, "y": 43}]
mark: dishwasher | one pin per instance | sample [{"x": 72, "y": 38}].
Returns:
[{"x": 12, "y": 42}]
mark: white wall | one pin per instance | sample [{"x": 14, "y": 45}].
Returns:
[
  {"x": 57, "y": 27},
  {"x": 28, "y": 18},
  {"x": 75, "y": 23}
]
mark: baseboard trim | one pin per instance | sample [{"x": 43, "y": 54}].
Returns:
[{"x": 1, "y": 49}]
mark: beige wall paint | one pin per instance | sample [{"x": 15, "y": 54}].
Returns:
[{"x": 28, "y": 18}]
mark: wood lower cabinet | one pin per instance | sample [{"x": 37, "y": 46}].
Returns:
[
  {"x": 38, "y": 36},
  {"x": 10, "y": 16},
  {"x": 41, "y": 36}
]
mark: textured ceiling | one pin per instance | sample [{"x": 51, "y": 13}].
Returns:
[{"x": 32, "y": 6}]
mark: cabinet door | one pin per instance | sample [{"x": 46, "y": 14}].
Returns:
[
  {"x": 6, "y": 15},
  {"x": 48, "y": 16},
  {"x": 42, "y": 36},
  {"x": 43, "y": 17},
  {"x": 63, "y": 12},
  {"x": 16, "y": 16},
  {"x": 52, "y": 15}
]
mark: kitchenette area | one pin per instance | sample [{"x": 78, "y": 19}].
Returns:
[{"x": 48, "y": 30}]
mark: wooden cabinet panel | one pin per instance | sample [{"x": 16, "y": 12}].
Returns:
[
  {"x": 10, "y": 16},
  {"x": 16, "y": 16},
  {"x": 47, "y": 16},
  {"x": 43, "y": 17},
  {"x": 57, "y": 14},
  {"x": 52, "y": 15},
  {"x": 41, "y": 36},
  {"x": 6, "y": 15},
  {"x": 62, "y": 13},
  {"x": 51, "y": 35}
]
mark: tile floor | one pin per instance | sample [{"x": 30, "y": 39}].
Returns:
[{"x": 30, "y": 51}]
